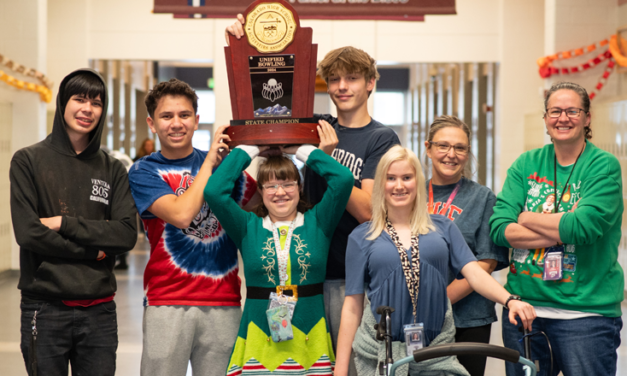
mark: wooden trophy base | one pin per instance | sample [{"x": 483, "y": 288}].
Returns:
[{"x": 273, "y": 132}]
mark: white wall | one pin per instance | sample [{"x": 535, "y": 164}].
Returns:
[
  {"x": 520, "y": 86},
  {"x": 579, "y": 23},
  {"x": 67, "y": 40},
  {"x": 22, "y": 39}
]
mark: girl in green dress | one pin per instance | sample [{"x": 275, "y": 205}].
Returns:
[{"x": 284, "y": 246}]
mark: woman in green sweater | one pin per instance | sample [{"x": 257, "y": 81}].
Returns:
[
  {"x": 561, "y": 211},
  {"x": 283, "y": 247}
]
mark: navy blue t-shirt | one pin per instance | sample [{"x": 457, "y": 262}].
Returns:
[
  {"x": 376, "y": 267},
  {"x": 359, "y": 149}
]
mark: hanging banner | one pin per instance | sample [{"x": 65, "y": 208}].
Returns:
[{"x": 397, "y": 10}]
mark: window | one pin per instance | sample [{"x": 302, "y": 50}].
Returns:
[
  {"x": 206, "y": 106},
  {"x": 202, "y": 139},
  {"x": 389, "y": 107}
]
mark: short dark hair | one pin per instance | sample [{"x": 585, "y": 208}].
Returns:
[
  {"x": 84, "y": 83},
  {"x": 278, "y": 167},
  {"x": 172, "y": 87},
  {"x": 583, "y": 95}
]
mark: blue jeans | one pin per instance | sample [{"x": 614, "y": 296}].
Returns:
[
  {"x": 86, "y": 337},
  {"x": 581, "y": 347}
]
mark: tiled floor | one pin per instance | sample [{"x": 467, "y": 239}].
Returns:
[{"x": 129, "y": 307}]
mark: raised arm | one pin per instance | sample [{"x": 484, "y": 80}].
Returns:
[
  {"x": 220, "y": 186},
  {"x": 180, "y": 210},
  {"x": 359, "y": 205},
  {"x": 339, "y": 184},
  {"x": 236, "y": 29}
]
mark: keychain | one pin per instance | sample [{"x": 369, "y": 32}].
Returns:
[
  {"x": 413, "y": 337},
  {"x": 279, "y": 300}
]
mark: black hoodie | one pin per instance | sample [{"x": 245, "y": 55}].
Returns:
[{"x": 90, "y": 191}]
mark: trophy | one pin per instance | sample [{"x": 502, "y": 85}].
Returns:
[{"x": 272, "y": 73}]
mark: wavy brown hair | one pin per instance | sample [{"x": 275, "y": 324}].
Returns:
[{"x": 346, "y": 60}]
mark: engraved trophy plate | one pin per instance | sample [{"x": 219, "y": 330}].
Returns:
[{"x": 271, "y": 78}]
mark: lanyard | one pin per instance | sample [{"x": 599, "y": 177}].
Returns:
[
  {"x": 557, "y": 205},
  {"x": 282, "y": 254},
  {"x": 448, "y": 202},
  {"x": 411, "y": 272}
]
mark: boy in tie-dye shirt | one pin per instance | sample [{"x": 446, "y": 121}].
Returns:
[{"x": 191, "y": 284}]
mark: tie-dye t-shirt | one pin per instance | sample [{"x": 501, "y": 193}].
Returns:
[{"x": 196, "y": 265}]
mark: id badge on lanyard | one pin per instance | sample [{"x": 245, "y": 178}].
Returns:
[
  {"x": 553, "y": 263},
  {"x": 280, "y": 312},
  {"x": 414, "y": 337},
  {"x": 554, "y": 259},
  {"x": 281, "y": 307},
  {"x": 280, "y": 323}
]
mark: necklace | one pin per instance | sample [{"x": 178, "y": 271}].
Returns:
[
  {"x": 557, "y": 206},
  {"x": 411, "y": 272}
]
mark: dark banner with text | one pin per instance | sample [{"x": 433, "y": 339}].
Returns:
[{"x": 397, "y": 10}]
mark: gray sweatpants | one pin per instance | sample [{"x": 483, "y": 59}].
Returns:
[
  {"x": 334, "y": 292},
  {"x": 177, "y": 335}
]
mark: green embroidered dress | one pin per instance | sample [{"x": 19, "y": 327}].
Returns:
[{"x": 310, "y": 352}]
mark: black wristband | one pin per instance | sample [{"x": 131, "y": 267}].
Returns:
[{"x": 511, "y": 297}]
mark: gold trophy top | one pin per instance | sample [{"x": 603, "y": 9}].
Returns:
[{"x": 270, "y": 27}]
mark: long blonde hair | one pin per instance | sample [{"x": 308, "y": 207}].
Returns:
[{"x": 420, "y": 223}]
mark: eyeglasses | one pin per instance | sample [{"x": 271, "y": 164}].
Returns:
[
  {"x": 555, "y": 112},
  {"x": 444, "y": 147},
  {"x": 288, "y": 187}
]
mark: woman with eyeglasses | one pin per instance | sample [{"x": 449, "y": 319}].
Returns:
[
  {"x": 469, "y": 205},
  {"x": 402, "y": 259},
  {"x": 284, "y": 249},
  {"x": 561, "y": 210}
]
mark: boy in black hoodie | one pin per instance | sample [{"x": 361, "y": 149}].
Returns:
[{"x": 72, "y": 213}]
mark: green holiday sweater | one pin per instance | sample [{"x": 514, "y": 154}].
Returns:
[{"x": 592, "y": 278}]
